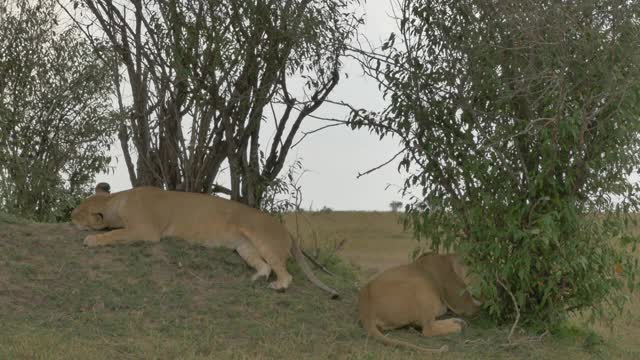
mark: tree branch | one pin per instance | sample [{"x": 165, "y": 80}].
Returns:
[{"x": 381, "y": 165}]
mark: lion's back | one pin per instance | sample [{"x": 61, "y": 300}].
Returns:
[{"x": 200, "y": 218}]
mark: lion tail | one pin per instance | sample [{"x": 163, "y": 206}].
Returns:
[
  {"x": 302, "y": 262},
  {"x": 368, "y": 322}
]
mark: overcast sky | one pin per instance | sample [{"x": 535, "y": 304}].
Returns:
[{"x": 335, "y": 156}]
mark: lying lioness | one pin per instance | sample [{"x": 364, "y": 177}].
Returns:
[
  {"x": 415, "y": 295},
  {"x": 148, "y": 214}
]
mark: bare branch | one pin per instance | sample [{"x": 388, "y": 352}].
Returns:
[
  {"x": 307, "y": 133},
  {"x": 381, "y": 165},
  {"x": 515, "y": 305}
]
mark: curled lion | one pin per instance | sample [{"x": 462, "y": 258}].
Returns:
[
  {"x": 415, "y": 295},
  {"x": 148, "y": 214}
]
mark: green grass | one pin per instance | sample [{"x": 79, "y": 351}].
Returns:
[
  {"x": 12, "y": 219},
  {"x": 172, "y": 300}
]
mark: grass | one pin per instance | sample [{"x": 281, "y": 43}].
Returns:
[
  {"x": 172, "y": 300},
  {"x": 12, "y": 219},
  {"x": 373, "y": 240}
]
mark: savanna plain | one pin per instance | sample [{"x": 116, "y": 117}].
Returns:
[{"x": 173, "y": 300}]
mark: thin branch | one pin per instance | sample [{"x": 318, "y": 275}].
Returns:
[
  {"x": 515, "y": 305},
  {"x": 306, "y": 133},
  {"x": 381, "y": 165}
]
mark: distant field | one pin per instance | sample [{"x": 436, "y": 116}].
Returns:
[
  {"x": 59, "y": 300},
  {"x": 372, "y": 240}
]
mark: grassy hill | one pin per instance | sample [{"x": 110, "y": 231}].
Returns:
[{"x": 172, "y": 300}]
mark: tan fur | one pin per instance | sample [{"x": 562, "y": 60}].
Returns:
[
  {"x": 415, "y": 295},
  {"x": 148, "y": 214}
]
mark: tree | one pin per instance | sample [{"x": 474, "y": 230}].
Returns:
[
  {"x": 395, "y": 205},
  {"x": 522, "y": 120},
  {"x": 205, "y": 76},
  {"x": 55, "y": 120}
]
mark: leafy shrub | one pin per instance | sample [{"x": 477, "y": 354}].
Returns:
[{"x": 521, "y": 119}]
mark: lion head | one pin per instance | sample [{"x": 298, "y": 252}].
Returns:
[
  {"x": 89, "y": 215},
  {"x": 453, "y": 279}
]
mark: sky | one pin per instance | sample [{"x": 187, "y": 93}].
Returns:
[{"x": 333, "y": 157}]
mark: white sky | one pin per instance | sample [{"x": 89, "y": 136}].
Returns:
[{"x": 335, "y": 156}]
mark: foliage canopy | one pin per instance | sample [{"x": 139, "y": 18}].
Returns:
[{"x": 55, "y": 119}]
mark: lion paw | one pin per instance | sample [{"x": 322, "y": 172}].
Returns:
[
  {"x": 276, "y": 286},
  {"x": 463, "y": 324},
  {"x": 91, "y": 241},
  {"x": 258, "y": 275}
]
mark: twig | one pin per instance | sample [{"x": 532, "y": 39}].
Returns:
[
  {"x": 307, "y": 133},
  {"x": 515, "y": 304},
  {"x": 381, "y": 165},
  {"x": 340, "y": 245},
  {"x": 479, "y": 341},
  {"x": 194, "y": 275},
  {"x": 525, "y": 340}
]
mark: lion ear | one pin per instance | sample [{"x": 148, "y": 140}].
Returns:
[
  {"x": 97, "y": 221},
  {"x": 103, "y": 188},
  {"x": 454, "y": 288}
]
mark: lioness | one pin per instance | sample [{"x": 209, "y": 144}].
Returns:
[
  {"x": 148, "y": 214},
  {"x": 416, "y": 294}
]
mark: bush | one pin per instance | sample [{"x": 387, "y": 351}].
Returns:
[{"x": 521, "y": 119}]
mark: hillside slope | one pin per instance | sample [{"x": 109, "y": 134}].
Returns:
[{"x": 172, "y": 300}]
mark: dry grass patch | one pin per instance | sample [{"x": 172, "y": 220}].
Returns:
[{"x": 172, "y": 300}]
